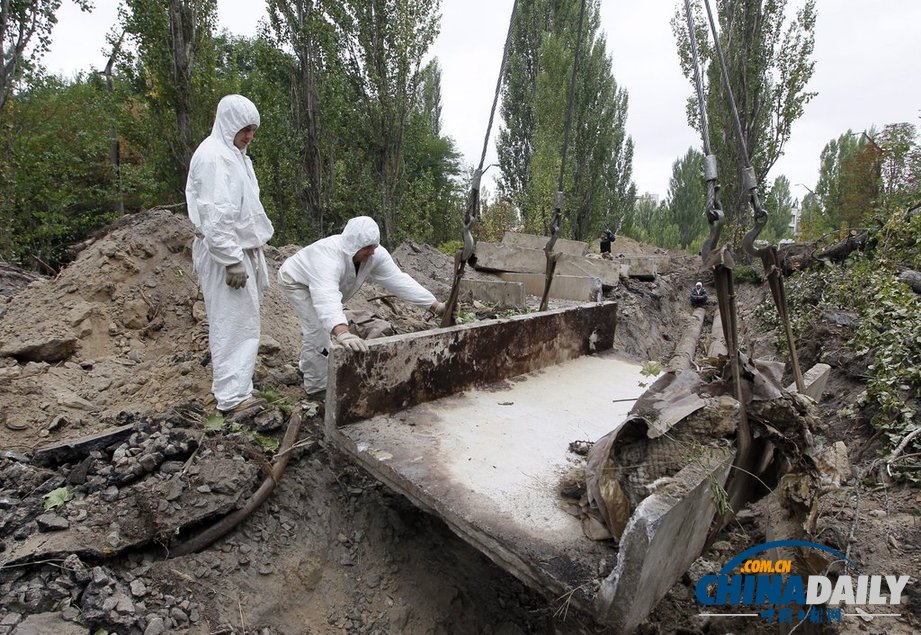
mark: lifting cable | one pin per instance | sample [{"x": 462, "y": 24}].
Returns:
[
  {"x": 472, "y": 211},
  {"x": 558, "y": 205},
  {"x": 720, "y": 260},
  {"x": 769, "y": 258}
]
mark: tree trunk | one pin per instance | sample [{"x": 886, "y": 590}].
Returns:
[
  {"x": 308, "y": 129},
  {"x": 182, "y": 44}
]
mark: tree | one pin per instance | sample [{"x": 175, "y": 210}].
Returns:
[
  {"x": 25, "y": 34},
  {"x": 383, "y": 42},
  {"x": 900, "y": 165},
  {"x": 597, "y": 176},
  {"x": 305, "y": 26},
  {"x": 55, "y": 168},
  {"x": 687, "y": 199},
  {"x": 769, "y": 63},
  {"x": 175, "y": 47},
  {"x": 779, "y": 206},
  {"x": 848, "y": 185}
]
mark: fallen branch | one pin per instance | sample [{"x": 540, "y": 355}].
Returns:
[{"x": 230, "y": 521}]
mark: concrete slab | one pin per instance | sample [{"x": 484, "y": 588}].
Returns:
[
  {"x": 504, "y": 294},
  {"x": 510, "y": 259},
  {"x": 532, "y": 241},
  {"x": 815, "y": 380},
  {"x": 579, "y": 288},
  {"x": 498, "y": 257},
  {"x": 490, "y": 462},
  {"x": 663, "y": 537}
]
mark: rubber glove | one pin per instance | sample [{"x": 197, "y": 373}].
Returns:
[
  {"x": 438, "y": 308},
  {"x": 235, "y": 275},
  {"x": 351, "y": 341}
]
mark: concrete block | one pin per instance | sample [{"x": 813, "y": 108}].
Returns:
[
  {"x": 498, "y": 257},
  {"x": 608, "y": 271},
  {"x": 579, "y": 288},
  {"x": 642, "y": 267},
  {"x": 507, "y": 258},
  {"x": 815, "y": 380},
  {"x": 663, "y": 537},
  {"x": 531, "y": 241},
  {"x": 498, "y": 293}
]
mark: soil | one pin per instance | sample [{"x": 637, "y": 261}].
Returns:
[{"x": 119, "y": 338}]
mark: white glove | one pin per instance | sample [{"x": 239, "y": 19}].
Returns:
[
  {"x": 438, "y": 308},
  {"x": 235, "y": 275},
  {"x": 351, "y": 341}
]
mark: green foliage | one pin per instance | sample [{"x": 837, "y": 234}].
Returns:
[
  {"x": 769, "y": 60},
  {"x": 58, "y": 182},
  {"x": 175, "y": 65},
  {"x": 276, "y": 400},
  {"x": 451, "y": 247},
  {"x": 779, "y": 207},
  {"x": 650, "y": 369},
  {"x": 56, "y": 497},
  {"x": 268, "y": 443},
  {"x": 849, "y": 184},
  {"x": 25, "y": 35},
  {"x": 748, "y": 273},
  {"x": 214, "y": 421},
  {"x": 597, "y": 174},
  {"x": 684, "y": 220},
  {"x": 888, "y": 333}
]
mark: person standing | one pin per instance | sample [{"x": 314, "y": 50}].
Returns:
[
  {"x": 323, "y": 275},
  {"x": 605, "y": 245},
  {"x": 231, "y": 229}
]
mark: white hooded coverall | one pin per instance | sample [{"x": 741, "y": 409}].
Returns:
[
  {"x": 321, "y": 276},
  {"x": 231, "y": 227}
]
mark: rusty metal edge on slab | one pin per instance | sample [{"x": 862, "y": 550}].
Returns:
[{"x": 401, "y": 371}]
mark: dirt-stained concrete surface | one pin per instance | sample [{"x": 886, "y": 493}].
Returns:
[{"x": 118, "y": 339}]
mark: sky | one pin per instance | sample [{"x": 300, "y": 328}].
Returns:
[{"x": 868, "y": 74}]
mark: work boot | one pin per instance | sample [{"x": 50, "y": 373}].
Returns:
[
  {"x": 246, "y": 409},
  {"x": 317, "y": 395}
]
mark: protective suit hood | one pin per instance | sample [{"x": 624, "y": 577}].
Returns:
[
  {"x": 359, "y": 232},
  {"x": 234, "y": 112}
]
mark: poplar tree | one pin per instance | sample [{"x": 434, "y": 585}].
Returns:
[
  {"x": 598, "y": 176},
  {"x": 769, "y": 59}
]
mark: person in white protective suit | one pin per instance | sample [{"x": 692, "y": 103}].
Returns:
[
  {"x": 231, "y": 228},
  {"x": 323, "y": 275}
]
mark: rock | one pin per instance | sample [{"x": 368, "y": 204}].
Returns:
[
  {"x": 53, "y": 349},
  {"x": 155, "y": 626},
  {"x": 45, "y": 623},
  {"x": 134, "y": 314},
  {"x": 834, "y": 466},
  {"x": 138, "y": 588},
  {"x": 71, "y": 400},
  {"x": 198, "y": 311},
  {"x": 179, "y": 615},
  {"x": 100, "y": 576},
  {"x": 51, "y": 522},
  {"x": 268, "y": 346},
  {"x": 109, "y": 494}
]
